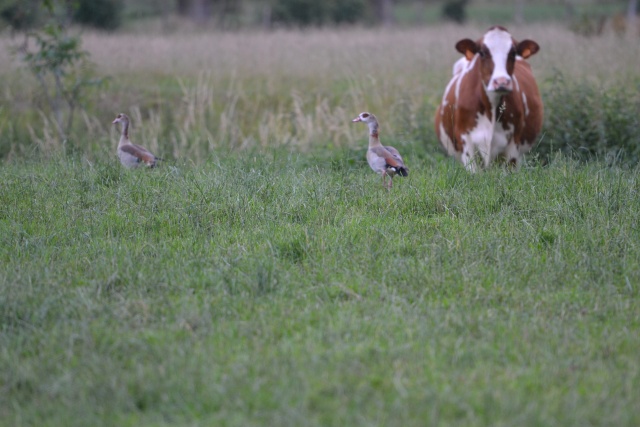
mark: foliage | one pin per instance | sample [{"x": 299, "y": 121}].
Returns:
[
  {"x": 455, "y": 10},
  {"x": 589, "y": 122},
  {"x": 102, "y": 14},
  {"x": 311, "y": 12},
  {"x": 21, "y": 15},
  {"x": 61, "y": 68}
]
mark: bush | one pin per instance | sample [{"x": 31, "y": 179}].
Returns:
[
  {"x": 455, "y": 11},
  {"x": 20, "y": 15},
  {"x": 102, "y": 14},
  {"x": 589, "y": 122},
  {"x": 312, "y": 12}
]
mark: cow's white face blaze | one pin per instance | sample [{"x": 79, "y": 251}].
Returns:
[{"x": 499, "y": 54}]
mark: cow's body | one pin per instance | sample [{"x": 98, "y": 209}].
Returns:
[{"x": 492, "y": 105}]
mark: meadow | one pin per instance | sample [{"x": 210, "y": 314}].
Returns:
[{"x": 262, "y": 276}]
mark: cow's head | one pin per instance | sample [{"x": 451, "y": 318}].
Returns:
[{"x": 497, "y": 52}]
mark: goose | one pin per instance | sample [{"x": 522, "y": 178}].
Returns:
[
  {"x": 384, "y": 160},
  {"x": 132, "y": 155}
]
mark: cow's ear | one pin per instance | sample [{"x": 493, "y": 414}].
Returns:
[
  {"x": 467, "y": 47},
  {"x": 526, "y": 48}
]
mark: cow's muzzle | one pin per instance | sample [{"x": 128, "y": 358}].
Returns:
[{"x": 501, "y": 85}]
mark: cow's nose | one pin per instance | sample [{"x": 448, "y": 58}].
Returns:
[{"x": 502, "y": 84}]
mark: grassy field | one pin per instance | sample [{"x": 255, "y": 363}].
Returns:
[
  {"x": 262, "y": 276},
  {"x": 191, "y": 93},
  {"x": 286, "y": 290}
]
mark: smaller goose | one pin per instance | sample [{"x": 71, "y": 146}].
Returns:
[
  {"x": 132, "y": 155},
  {"x": 384, "y": 160}
]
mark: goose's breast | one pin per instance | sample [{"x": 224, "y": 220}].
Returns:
[
  {"x": 376, "y": 162},
  {"x": 127, "y": 159}
]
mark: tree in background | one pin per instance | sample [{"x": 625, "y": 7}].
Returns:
[
  {"x": 202, "y": 11},
  {"x": 455, "y": 11},
  {"x": 21, "y": 15},
  {"x": 518, "y": 12},
  {"x": 312, "y": 12},
  {"x": 632, "y": 20},
  {"x": 385, "y": 12},
  {"x": 102, "y": 14},
  {"x": 59, "y": 64}
]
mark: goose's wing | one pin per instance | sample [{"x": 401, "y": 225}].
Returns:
[
  {"x": 394, "y": 153},
  {"x": 394, "y": 160},
  {"x": 139, "y": 152},
  {"x": 383, "y": 154}
]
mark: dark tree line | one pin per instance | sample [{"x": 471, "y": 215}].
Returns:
[
  {"x": 108, "y": 14},
  {"x": 293, "y": 12},
  {"x": 22, "y": 15}
]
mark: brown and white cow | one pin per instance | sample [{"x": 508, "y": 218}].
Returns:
[{"x": 492, "y": 105}]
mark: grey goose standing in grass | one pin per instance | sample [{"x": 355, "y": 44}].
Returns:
[
  {"x": 132, "y": 155},
  {"x": 384, "y": 160}
]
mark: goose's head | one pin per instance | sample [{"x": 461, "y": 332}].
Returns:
[
  {"x": 121, "y": 118},
  {"x": 370, "y": 120},
  {"x": 365, "y": 118}
]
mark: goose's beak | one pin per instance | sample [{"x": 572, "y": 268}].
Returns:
[
  {"x": 114, "y": 122},
  {"x": 357, "y": 119}
]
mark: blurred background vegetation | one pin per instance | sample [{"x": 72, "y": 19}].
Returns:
[
  {"x": 203, "y": 74},
  {"x": 586, "y": 15}
]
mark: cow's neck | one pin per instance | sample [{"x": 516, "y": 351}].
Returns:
[
  {"x": 497, "y": 104},
  {"x": 500, "y": 108}
]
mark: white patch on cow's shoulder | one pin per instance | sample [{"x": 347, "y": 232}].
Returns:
[
  {"x": 464, "y": 72},
  {"x": 524, "y": 102},
  {"x": 460, "y": 65},
  {"x": 446, "y": 93},
  {"x": 515, "y": 82}
]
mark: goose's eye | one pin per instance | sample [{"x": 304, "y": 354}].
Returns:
[{"x": 365, "y": 115}]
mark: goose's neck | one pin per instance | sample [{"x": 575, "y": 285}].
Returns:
[
  {"x": 124, "y": 137},
  {"x": 373, "y": 134}
]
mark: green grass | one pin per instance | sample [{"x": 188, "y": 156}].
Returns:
[
  {"x": 271, "y": 288},
  {"x": 262, "y": 275}
]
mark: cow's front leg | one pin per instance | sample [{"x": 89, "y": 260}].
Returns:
[
  {"x": 513, "y": 155},
  {"x": 468, "y": 157}
]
